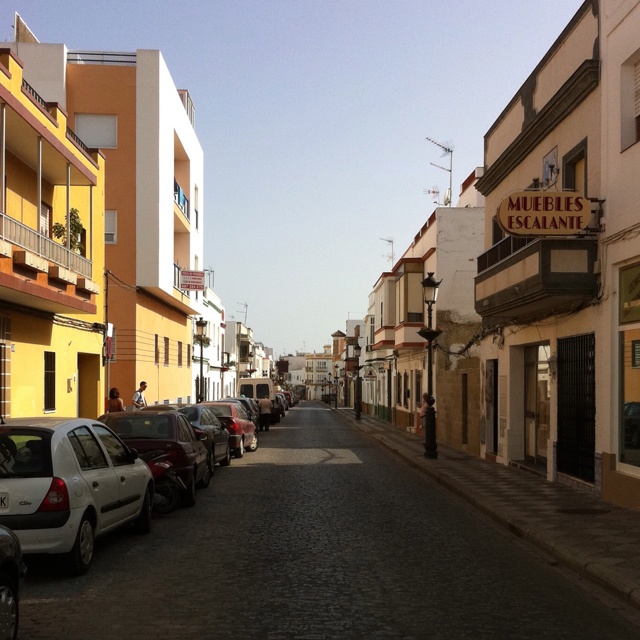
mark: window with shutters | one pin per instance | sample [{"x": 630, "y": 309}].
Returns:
[
  {"x": 49, "y": 381},
  {"x": 636, "y": 99},
  {"x": 110, "y": 226},
  {"x": 45, "y": 220},
  {"x": 574, "y": 169},
  {"x": 630, "y": 101}
]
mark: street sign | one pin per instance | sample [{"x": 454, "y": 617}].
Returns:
[{"x": 191, "y": 280}]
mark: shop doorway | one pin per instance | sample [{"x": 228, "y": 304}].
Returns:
[
  {"x": 536, "y": 404},
  {"x": 577, "y": 406}
]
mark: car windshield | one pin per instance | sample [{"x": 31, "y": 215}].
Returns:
[
  {"x": 142, "y": 427},
  {"x": 25, "y": 454},
  {"x": 220, "y": 409}
]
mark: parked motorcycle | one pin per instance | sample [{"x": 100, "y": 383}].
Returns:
[{"x": 169, "y": 487}]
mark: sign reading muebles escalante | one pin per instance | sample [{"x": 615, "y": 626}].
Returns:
[{"x": 544, "y": 213}]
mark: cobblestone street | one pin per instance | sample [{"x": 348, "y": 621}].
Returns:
[{"x": 320, "y": 534}]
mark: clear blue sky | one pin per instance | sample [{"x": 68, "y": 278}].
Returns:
[{"x": 313, "y": 116}]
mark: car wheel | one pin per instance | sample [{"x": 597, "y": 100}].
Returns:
[
  {"x": 239, "y": 452},
  {"x": 189, "y": 494},
  {"x": 9, "y": 608},
  {"x": 78, "y": 560},
  {"x": 142, "y": 524},
  {"x": 226, "y": 461},
  {"x": 166, "y": 498},
  {"x": 205, "y": 481}
]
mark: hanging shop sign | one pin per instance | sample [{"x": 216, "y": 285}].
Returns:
[{"x": 544, "y": 213}]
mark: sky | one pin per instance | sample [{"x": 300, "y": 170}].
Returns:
[{"x": 314, "y": 117}]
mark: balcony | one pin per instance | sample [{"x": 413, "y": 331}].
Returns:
[
  {"x": 42, "y": 273},
  {"x": 526, "y": 279},
  {"x": 406, "y": 336}
]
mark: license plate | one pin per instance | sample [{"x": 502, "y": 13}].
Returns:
[{"x": 4, "y": 501}]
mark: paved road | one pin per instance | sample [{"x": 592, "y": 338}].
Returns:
[{"x": 321, "y": 534}]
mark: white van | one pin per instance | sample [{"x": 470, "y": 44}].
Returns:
[{"x": 257, "y": 388}]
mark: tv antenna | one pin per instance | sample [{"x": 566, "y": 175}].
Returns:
[
  {"x": 389, "y": 256},
  {"x": 245, "y": 306},
  {"x": 435, "y": 192},
  {"x": 447, "y": 150}
]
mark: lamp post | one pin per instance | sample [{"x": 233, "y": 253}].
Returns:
[
  {"x": 201, "y": 332},
  {"x": 357, "y": 349},
  {"x": 430, "y": 288},
  {"x": 335, "y": 381}
]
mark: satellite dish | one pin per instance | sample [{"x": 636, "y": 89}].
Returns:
[{"x": 447, "y": 198}]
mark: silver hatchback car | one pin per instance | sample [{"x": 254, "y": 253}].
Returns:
[{"x": 65, "y": 481}]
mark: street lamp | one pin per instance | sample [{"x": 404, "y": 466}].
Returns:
[
  {"x": 430, "y": 288},
  {"x": 335, "y": 381},
  {"x": 357, "y": 349},
  {"x": 201, "y": 332}
]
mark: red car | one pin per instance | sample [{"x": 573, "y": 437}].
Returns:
[
  {"x": 242, "y": 431},
  {"x": 171, "y": 432}
]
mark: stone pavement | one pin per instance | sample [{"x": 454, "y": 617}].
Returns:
[{"x": 598, "y": 540}]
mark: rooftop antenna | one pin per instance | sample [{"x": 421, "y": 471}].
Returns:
[
  {"x": 245, "y": 306},
  {"x": 435, "y": 192},
  {"x": 390, "y": 256},
  {"x": 447, "y": 149}
]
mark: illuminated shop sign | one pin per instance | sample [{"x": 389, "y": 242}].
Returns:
[{"x": 544, "y": 213}]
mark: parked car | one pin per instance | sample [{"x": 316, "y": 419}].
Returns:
[
  {"x": 288, "y": 395},
  {"x": 65, "y": 481},
  {"x": 631, "y": 419},
  {"x": 12, "y": 572},
  {"x": 250, "y": 406},
  {"x": 202, "y": 418},
  {"x": 242, "y": 432},
  {"x": 170, "y": 431},
  {"x": 281, "y": 403}
]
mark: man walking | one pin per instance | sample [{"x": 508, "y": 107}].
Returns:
[{"x": 138, "y": 397}]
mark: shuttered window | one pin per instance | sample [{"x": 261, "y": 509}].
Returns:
[
  {"x": 110, "y": 226},
  {"x": 636, "y": 112}
]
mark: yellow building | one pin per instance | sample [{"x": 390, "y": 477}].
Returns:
[{"x": 51, "y": 306}]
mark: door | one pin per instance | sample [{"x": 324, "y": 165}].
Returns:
[
  {"x": 577, "y": 406},
  {"x": 536, "y": 401},
  {"x": 98, "y": 475},
  {"x": 131, "y": 476}
]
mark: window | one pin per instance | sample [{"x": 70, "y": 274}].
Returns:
[
  {"x": 188, "y": 355},
  {"x": 45, "y": 219},
  {"x": 97, "y": 131},
  {"x": 574, "y": 169},
  {"x": 115, "y": 448},
  {"x": 166, "y": 352},
  {"x": 179, "y": 353},
  {"x": 110, "y": 226},
  {"x": 156, "y": 357},
  {"x": 49, "y": 381},
  {"x": 87, "y": 450}
]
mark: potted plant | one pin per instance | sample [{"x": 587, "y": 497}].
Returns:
[{"x": 76, "y": 228}]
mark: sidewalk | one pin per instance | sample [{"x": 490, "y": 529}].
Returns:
[{"x": 598, "y": 540}]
